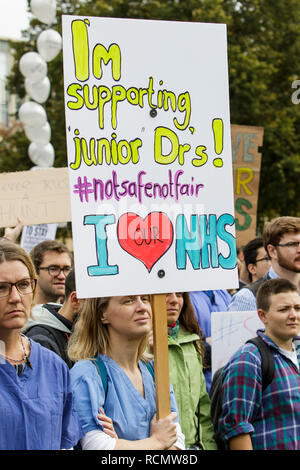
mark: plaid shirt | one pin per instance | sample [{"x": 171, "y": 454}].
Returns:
[{"x": 271, "y": 417}]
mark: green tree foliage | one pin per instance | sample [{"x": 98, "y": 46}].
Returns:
[
  {"x": 263, "y": 47},
  {"x": 14, "y": 149},
  {"x": 263, "y": 52}
]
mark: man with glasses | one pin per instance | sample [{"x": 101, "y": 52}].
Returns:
[
  {"x": 256, "y": 259},
  {"x": 281, "y": 239},
  {"x": 53, "y": 262}
]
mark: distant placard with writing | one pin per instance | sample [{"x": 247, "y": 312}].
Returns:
[
  {"x": 32, "y": 235},
  {"x": 229, "y": 331},
  {"x": 149, "y": 155},
  {"x": 246, "y": 161},
  {"x": 36, "y": 197}
]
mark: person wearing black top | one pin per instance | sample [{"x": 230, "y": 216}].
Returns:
[{"x": 51, "y": 324}]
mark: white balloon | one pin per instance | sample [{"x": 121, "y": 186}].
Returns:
[
  {"x": 40, "y": 168},
  {"x": 49, "y": 44},
  {"x": 44, "y": 10},
  {"x": 33, "y": 152},
  {"x": 32, "y": 114},
  {"x": 38, "y": 91},
  {"x": 33, "y": 66},
  {"x": 35, "y": 168},
  {"x": 41, "y": 155},
  {"x": 39, "y": 135}
]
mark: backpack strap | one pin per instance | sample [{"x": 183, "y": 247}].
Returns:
[
  {"x": 216, "y": 396},
  {"x": 267, "y": 360},
  {"x": 150, "y": 368},
  {"x": 101, "y": 371}
]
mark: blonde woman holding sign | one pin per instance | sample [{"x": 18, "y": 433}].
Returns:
[{"x": 113, "y": 373}]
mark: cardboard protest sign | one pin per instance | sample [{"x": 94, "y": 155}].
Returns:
[
  {"x": 149, "y": 156},
  {"x": 229, "y": 331},
  {"x": 246, "y": 160},
  {"x": 36, "y": 197}
]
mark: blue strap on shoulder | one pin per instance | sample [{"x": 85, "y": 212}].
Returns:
[
  {"x": 150, "y": 368},
  {"x": 103, "y": 372}
]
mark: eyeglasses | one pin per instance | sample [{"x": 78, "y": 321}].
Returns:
[
  {"x": 25, "y": 286},
  {"x": 289, "y": 244},
  {"x": 56, "y": 270},
  {"x": 262, "y": 259}
]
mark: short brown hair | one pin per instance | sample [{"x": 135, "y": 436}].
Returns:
[
  {"x": 10, "y": 251},
  {"x": 272, "y": 287},
  {"x": 277, "y": 228},
  {"x": 37, "y": 252},
  {"x": 70, "y": 285},
  {"x": 250, "y": 253}
]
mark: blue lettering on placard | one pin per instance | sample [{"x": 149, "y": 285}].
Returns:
[
  {"x": 200, "y": 241},
  {"x": 231, "y": 260},
  {"x": 187, "y": 242},
  {"x": 209, "y": 241},
  {"x": 100, "y": 222},
  {"x": 196, "y": 240}
]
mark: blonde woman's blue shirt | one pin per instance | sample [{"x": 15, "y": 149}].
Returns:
[{"x": 130, "y": 412}]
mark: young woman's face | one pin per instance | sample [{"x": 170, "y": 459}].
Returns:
[
  {"x": 174, "y": 306},
  {"x": 14, "y": 308},
  {"x": 129, "y": 316}
]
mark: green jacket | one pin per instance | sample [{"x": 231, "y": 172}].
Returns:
[{"x": 188, "y": 380}]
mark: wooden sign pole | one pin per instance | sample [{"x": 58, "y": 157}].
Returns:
[{"x": 161, "y": 357}]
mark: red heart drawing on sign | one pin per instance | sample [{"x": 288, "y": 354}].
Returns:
[{"x": 145, "y": 239}]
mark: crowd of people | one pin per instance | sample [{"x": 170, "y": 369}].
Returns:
[{"x": 79, "y": 373}]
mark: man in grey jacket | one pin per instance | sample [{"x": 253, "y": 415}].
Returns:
[{"x": 51, "y": 324}]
